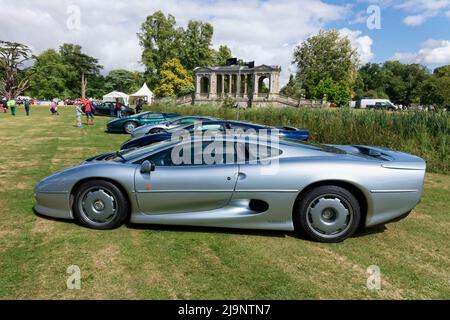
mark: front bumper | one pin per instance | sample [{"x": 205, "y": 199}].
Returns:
[{"x": 55, "y": 205}]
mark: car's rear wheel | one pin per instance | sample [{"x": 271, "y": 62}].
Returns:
[
  {"x": 130, "y": 126},
  {"x": 327, "y": 214},
  {"x": 100, "y": 205}
]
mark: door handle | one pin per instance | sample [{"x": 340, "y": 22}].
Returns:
[{"x": 241, "y": 176}]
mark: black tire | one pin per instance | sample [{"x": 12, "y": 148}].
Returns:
[
  {"x": 129, "y": 126},
  {"x": 116, "y": 206},
  {"x": 329, "y": 207}
]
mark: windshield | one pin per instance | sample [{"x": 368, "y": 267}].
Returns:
[
  {"x": 316, "y": 146},
  {"x": 130, "y": 154}
]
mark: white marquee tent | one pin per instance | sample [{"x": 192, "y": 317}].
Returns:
[
  {"x": 112, "y": 96},
  {"x": 143, "y": 93}
]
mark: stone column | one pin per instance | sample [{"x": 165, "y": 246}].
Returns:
[
  {"x": 197, "y": 86},
  {"x": 245, "y": 85},
  {"x": 270, "y": 86},
  {"x": 256, "y": 86},
  {"x": 238, "y": 85},
  {"x": 213, "y": 86},
  {"x": 222, "y": 89}
]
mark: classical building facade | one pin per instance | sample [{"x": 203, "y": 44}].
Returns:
[{"x": 259, "y": 85}]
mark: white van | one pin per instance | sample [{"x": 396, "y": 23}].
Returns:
[{"x": 382, "y": 104}]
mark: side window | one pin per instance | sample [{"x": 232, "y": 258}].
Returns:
[
  {"x": 209, "y": 127},
  {"x": 186, "y": 121},
  {"x": 152, "y": 116},
  {"x": 256, "y": 152},
  {"x": 207, "y": 153},
  {"x": 162, "y": 159}
]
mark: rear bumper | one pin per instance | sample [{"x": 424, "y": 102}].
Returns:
[{"x": 392, "y": 206}]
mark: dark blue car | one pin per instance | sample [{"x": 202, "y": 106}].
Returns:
[{"x": 219, "y": 125}]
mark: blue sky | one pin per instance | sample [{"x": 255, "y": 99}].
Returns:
[
  {"x": 267, "y": 31},
  {"x": 396, "y": 35}
]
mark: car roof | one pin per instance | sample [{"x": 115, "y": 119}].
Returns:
[{"x": 296, "y": 144}]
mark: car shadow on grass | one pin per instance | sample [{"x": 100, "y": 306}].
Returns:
[{"x": 199, "y": 229}]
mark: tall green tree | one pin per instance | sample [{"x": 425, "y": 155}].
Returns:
[
  {"x": 97, "y": 88},
  {"x": 442, "y": 71},
  {"x": 327, "y": 55},
  {"x": 196, "y": 47},
  {"x": 83, "y": 66},
  {"x": 436, "y": 89},
  {"x": 372, "y": 80},
  {"x": 293, "y": 88},
  {"x": 221, "y": 56},
  {"x": 175, "y": 80},
  {"x": 120, "y": 80},
  {"x": 48, "y": 77},
  {"x": 13, "y": 79},
  {"x": 402, "y": 81},
  {"x": 336, "y": 92},
  {"x": 161, "y": 41}
]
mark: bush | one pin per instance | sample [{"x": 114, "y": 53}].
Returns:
[{"x": 228, "y": 103}]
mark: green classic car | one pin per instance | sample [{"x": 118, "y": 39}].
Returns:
[{"x": 128, "y": 124}]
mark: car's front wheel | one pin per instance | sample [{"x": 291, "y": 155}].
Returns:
[
  {"x": 100, "y": 205},
  {"x": 327, "y": 214},
  {"x": 130, "y": 126}
]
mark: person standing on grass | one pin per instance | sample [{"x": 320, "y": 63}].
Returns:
[
  {"x": 118, "y": 108},
  {"x": 12, "y": 105},
  {"x": 78, "y": 113},
  {"x": 139, "y": 106},
  {"x": 5, "y": 105},
  {"x": 26, "y": 104},
  {"x": 89, "y": 112}
]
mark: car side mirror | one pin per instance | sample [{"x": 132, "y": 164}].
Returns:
[{"x": 147, "y": 167}]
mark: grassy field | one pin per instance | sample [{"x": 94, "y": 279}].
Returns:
[{"x": 195, "y": 263}]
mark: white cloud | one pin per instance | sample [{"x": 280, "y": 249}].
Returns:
[
  {"x": 416, "y": 20},
  {"x": 419, "y": 11},
  {"x": 362, "y": 43},
  {"x": 432, "y": 52},
  {"x": 265, "y": 31}
]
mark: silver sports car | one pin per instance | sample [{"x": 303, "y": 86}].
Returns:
[{"x": 326, "y": 192}]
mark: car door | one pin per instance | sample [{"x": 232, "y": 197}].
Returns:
[{"x": 187, "y": 187}]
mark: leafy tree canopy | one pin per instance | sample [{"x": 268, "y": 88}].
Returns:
[
  {"x": 175, "y": 79},
  {"x": 329, "y": 56},
  {"x": 13, "y": 79}
]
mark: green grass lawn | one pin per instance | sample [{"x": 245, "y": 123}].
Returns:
[{"x": 146, "y": 262}]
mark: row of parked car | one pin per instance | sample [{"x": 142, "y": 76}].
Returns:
[
  {"x": 151, "y": 127},
  {"x": 325, "y": 192}
]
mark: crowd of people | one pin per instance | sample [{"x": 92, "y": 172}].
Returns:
[
  {"x": 84, "y": 107},
  {"x": 12, "y": 104}
]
